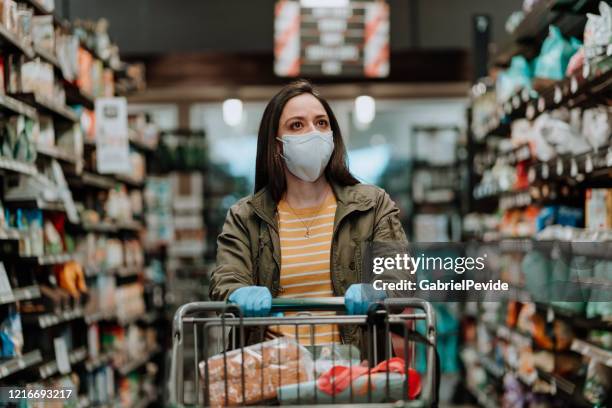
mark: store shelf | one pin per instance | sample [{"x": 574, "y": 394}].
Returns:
[
  {"x": 11, "y": 41},
  {"x": 47, "y": 56},
  {"x": 20, "y": 294},
  {"x": 16, "y": 364},
  {"x": 16, "y": 106},
  {"x": 39, "y": 203},
  {"x": 574, "y": 91},
  {"x": 77, "y": 96},
  {"x": 57, "y": 153},
  {"x": 133, "y": 365},
  {"x": 10, "y": 234},
  {"x": 50, "y": 369},
  {"x": 126, "y": 271},
  {"x": 121, "y": 271},
  {"x": 513, "y": 336},
  {"x": 83, "y": 402},
  {"x": 148, "y": 318},
  {"x": 138, "y": 144},
  {"x": 16, "y": 166},
  {"x": 101, "y": 227},
  {"x": 129, "y": 180},
  {"x": 134, "y": 226},
  {"x": 52, "y": 319},
  {"x": 593, "y": 352},
  {"x": 61, "y": 112},
  {"x": 574, "y": 167},
  {"x": 102, "y": 360},
  {"x": 484, "y": 400},
  {"x": 92, "y": 318},
  {"x": 97, "y": 180},
  {"x": 145, "y": 400},
  {"x": 516, "y": 199},
  {"x": 574, "y": 319},
  {"x": 38, "y": 7},
  {"x": 589, "y": 248},
  {"x": 54, "y": 259},
  {"x": 529, "y": 34},
  {"x": 490, "y": 366}
]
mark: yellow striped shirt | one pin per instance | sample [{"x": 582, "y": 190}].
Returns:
[{"x": 305, "y": 262}]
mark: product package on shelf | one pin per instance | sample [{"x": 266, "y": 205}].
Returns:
[
  {"x": 131, "y": 301},
  {"x": 265, "y": 367},
  {"x": 18, "y": 136},
  {"x": 158, "y": 199},
  {"x": 11, "y": 334},
  {"x": 598, "y": 208}
]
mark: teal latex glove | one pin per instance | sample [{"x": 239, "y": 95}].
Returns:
[
  {"x": 359, "y": 296},
  {"x": 254, "y": 301}
]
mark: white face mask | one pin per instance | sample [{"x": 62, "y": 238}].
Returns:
[{"x": 307, "y": 155}]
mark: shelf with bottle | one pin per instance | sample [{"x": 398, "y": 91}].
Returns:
[
  {"x": 578, "y": 89},
  {"x": 57, "y": 153},
  {"x": 592, "y": 351},
  {"x": 136, "y": 363},
  {"x": 18, "y": 166},
  {"x": 42, "y": 103},
  {"x": 11, "y": 41},
  {"x": 46, "y": 320},
  {"x": 51, "y": 368},
  {"x": 20, "y": 294},
  {"x": 23, "y": 362}
]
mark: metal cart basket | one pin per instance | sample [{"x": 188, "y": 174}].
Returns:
[{"x": 204, "y": 329}]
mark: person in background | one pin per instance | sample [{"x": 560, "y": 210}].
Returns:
[{"x": 299, "y": 234}]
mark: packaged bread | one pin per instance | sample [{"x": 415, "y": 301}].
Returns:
[
  {"x": 268, "y": 366},
  {"x": 277, "y": 351}
]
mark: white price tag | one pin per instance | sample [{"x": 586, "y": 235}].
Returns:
[
  {"x": 61, "y": 355},
  {"x": 5, "y": 285},
  {"x": 588, "y": 165},
  {"x": 559, "y": 167},
  {"x": 541, "y": 104},
  {"x": 558, "y": 95},
  {"x": 545, "y": 171},
  {"x": 574, "y": 84},
  {"x": 112, "y": 144},
  {"x": 531, "y": 175},
  {"x": 530, "y": 111}
]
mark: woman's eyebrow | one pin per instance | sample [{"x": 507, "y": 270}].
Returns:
[{"x": 293, "y": 117}]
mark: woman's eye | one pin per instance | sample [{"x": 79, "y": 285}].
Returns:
[
  {"x": 296, "y": 125},
  {"x": 322, "y": 123}
]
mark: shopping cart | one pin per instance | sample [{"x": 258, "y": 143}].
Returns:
[{"x": 218, "y": 327}]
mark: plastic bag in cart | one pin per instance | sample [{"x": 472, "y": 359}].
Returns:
[{"x": 265, "y": 366}]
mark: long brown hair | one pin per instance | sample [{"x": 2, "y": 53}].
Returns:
[{"x": 269, "y": 166}]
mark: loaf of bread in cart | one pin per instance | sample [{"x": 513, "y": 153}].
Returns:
[{"x": 267, "y": 366}]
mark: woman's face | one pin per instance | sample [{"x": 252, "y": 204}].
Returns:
[{"x": 303, "y": 114}]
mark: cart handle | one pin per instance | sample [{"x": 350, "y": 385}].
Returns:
[{"x": 310, "y": 304}]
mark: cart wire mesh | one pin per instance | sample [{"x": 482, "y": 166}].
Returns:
[{"x": 219, "y": 329}]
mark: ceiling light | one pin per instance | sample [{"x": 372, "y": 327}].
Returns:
[{"x": 232, "y": 112}]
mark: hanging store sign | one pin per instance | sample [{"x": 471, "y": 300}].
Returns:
[
  {"x": 331, "y": 38},
  {"x": 112, "y": 143}
]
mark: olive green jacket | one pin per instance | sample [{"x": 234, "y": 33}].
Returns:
[{"x": 249, "y": 250}]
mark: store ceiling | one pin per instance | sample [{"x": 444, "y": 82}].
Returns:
[
  {"x": 208, "y": 49},
  {"x": 146, "y": 27}
]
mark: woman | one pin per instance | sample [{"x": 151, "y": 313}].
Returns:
[{"x": 299, "y": 235}]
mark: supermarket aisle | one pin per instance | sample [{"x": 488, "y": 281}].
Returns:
[{"x": 121, "y": 156}]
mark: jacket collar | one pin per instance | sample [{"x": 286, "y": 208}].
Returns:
[{"x": 349, "y": 199}]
